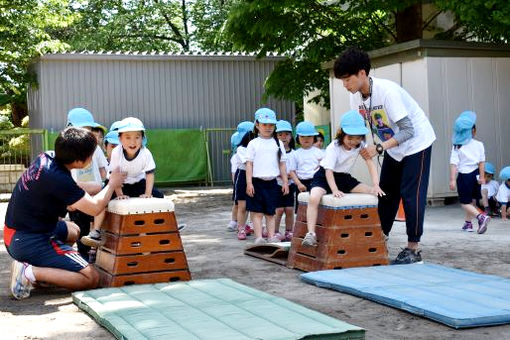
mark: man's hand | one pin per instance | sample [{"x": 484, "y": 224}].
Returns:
[
  {"x": 368, "y": 152},
  {"x": 117, "y": 178}
]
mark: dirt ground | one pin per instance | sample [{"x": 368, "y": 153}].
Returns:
[{"x": 213, "y": 252}]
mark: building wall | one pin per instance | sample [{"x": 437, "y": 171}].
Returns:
[{"x": 167, "y": 91}]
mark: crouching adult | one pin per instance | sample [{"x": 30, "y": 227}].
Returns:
[{"x": 35, "y": 235}]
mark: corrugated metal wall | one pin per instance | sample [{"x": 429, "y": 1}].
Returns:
[{"x": 165, "y": 91}]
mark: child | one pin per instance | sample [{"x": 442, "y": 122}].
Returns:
[
  {"x": 285, "y": 202},
  {"x": 503, "y": 196},
  {"x": 333, "y": 175},
  {"x": 244, "y": 137},
  {"x": 489, "y": 191},
  {"x": 468, "y": 159},
  {"x": 265, "y": 160},
  {"x": 89, "y": 178},
  {"x": 319, "y": 141},
  {"x": 307, "y": 158},
  {"x": 237, "y": 168}
]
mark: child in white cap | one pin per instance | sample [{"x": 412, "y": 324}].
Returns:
[
  {"x": 503, "y": 196},
  {"x": 334, "y": 175},
  {"x": 468, "y": 160}
]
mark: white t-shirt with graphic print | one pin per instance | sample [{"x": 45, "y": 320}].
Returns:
[{"x": 391, "y": 103}]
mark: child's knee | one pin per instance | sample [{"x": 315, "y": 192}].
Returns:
[{"x": 73, "y": 231}]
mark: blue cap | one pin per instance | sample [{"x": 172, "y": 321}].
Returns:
[
  {"x": 352, "y": 123},
  {"x": 112, "y": 137},
  {"x": 265, "y": 116},
  {"x": 283, "y": 125},
  {"x": 115, "y": 125},
  {"x": 504, "y": 174},
  {"x": 306, "y": 129},
  {"x": 469, "y": 114},
  {"x": 80, "y": 117},
  {"x": 245, "y": 126},
  {"x": 234, "y": 140},
  {"x": 489, "y": 168},
  {"x": 462, "y": 130}
]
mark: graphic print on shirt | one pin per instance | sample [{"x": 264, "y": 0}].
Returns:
[{"x": 380, "y": 122}]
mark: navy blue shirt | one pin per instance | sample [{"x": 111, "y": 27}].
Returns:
[{"x": 41, "y": 196}]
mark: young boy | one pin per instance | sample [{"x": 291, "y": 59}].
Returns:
[
  {"x": 503, "y": 195},
  {"x": 35, "y": 234}
]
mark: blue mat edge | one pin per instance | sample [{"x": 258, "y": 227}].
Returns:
[{"x": 452, "y": 322}]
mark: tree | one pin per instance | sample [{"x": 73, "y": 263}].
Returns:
[
  {"x": 150, "y": 25},
  {"x": 312, "y": 32},
  {"x": 24, "y": 26}
]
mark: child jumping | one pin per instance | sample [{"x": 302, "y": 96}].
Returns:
[
  {"x": 285, "y": 201},
  {"x": 134, "y": 159},
  {"x": 468, "y": 159},
  {"x": 265, "y": 160},
  {"x": 307, "y": 158},
  {"x": 503, "y": 196},
  {"x": 333, "y": 175},
  {"x": 489, "y": 191}
]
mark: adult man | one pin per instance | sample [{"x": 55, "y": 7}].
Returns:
[
  {"x": 406, "y": 165},
  {"x": 35, "y": 234}
]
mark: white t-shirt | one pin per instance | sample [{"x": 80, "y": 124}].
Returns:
[
  {"x": 468, "y": 156},
  {"x": 91, "y": 173},
  {"x": 263, "y": 152},
  {"x": 339, "y": 159},
  {"x": 391, "y": 103},
  {"x": 241, "y": 154},
  {"x": 234, "y": 163},
  {"x": 503, "y": 195},
  {"x": 135, "y": 168},
  {"x": 289, "y": 166},
  {"x": 491, "y": 187},
  {"x": 307, "y": 161}
]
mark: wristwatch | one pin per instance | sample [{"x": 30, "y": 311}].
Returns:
[{"x": 379, "y": 148}]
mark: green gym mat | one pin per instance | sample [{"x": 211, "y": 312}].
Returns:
[{"x": 206, "y": 309}]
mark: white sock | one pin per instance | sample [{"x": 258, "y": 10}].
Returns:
[{"x": 29, "y": 273}]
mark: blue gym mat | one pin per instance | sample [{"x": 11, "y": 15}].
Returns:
[
  {"x": 455, "y": 297},
  {"x": 207, "y": 309}
]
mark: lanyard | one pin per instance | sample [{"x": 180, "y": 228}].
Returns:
[{"x": 368, "y": 112}]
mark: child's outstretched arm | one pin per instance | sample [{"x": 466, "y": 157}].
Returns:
[
  {"x": 372, "y": 170},
  {"x": 330, "y": 178},
  {"x": 149, "y": 184},
  {"x": 250, "y": 191},
  {"x": 285, "y": 180},
  {"x": 453, "y": 173}
]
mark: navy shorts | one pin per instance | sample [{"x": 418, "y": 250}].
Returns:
[
  {"x": 240, "y": 185},
  {"x": 266, "y": 196},
  {"x": 468, "y": 187},
  {"x": 285, "y": 201},
  {"x": 344, "y": 181},
  {"x": 46, "y": 250}
]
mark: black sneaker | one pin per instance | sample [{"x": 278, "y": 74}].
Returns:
[{"x": 408, "y": 256}]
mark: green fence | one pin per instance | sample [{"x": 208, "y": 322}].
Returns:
[{"x": 17, "y": 148}]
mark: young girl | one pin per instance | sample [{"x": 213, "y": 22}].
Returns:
[
  {"x": 286, "y": 202},
  {"x": 241, "y": 142},
  {"x": 265, "y": 160},
  {"x": 333, "y": 175},
  {"x": 468, "y": 159},
  {"x": 307, "y": 158},
  {"x": 489, "y": 191},
  {"x": 503, "y": 196}
]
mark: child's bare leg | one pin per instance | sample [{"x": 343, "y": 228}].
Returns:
[
  {"x": 270, "y": 220},
  {"x": 289, "y": 218},
  {"x": 313, "y": 207},
  {"x": 485, "y": 198},
  {"x": 277, "y": 219},
  {"x": 241, "y": 213},
  {"x": 504, "y": 212},
  {"x": 362, "y": 188},
  {"x": 470, "y": 210},
  {"x": 256, "y": 218},
  {"x": 98, "y": 220},
  {"x": 234, "y": 212}
]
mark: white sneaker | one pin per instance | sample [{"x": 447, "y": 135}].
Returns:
[
  {"x": 260, "y": 240},
  {"x": 20, "y": 285},
  {"x": 309, "y": 240},
  {"x": 232, "y": 226}
]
